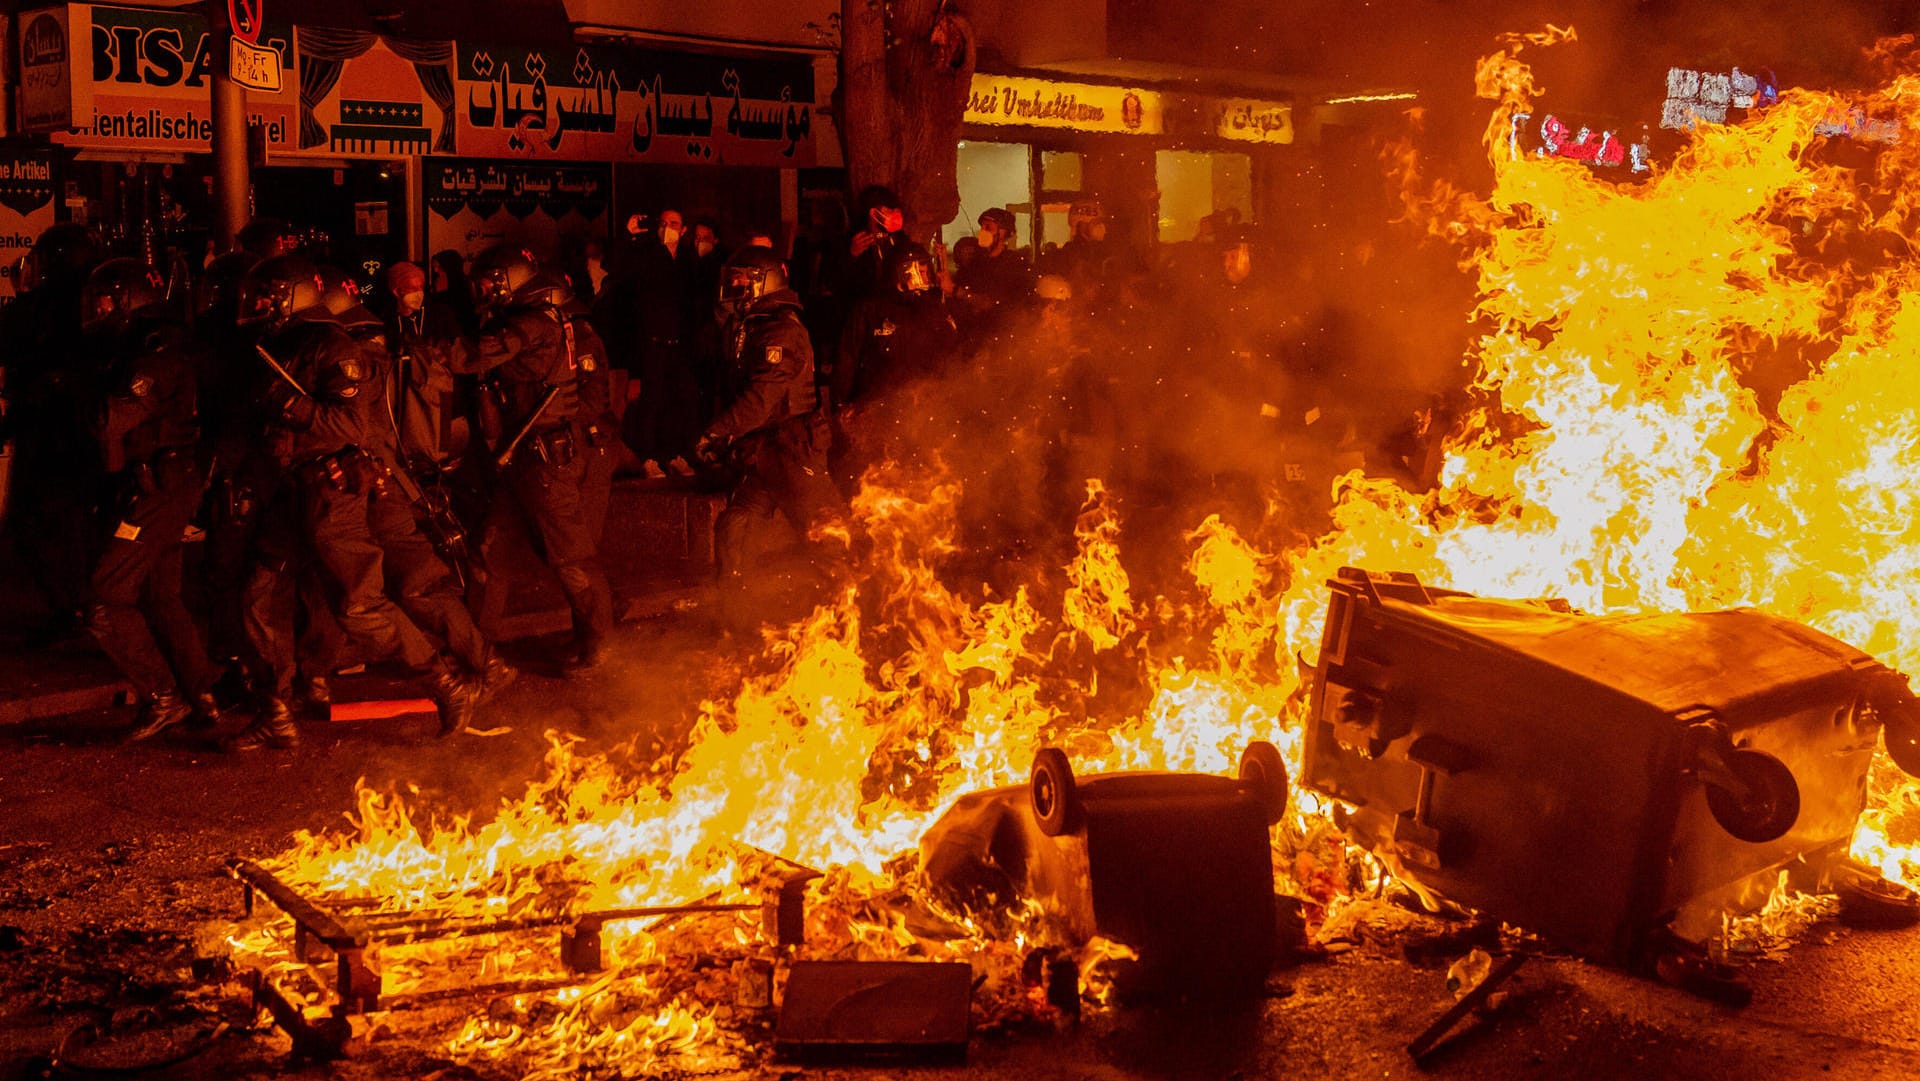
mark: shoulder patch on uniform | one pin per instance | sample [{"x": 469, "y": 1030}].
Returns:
[
  {"x": 774, "y": 355},
  {"x": 587, "y": 362},
  {"x": 350, "y": 390},
  {"x": 353, "y": 369},
  {"x": 141, "y": 386}
]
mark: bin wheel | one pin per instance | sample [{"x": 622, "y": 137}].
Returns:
[
  {"x": 1265, "y": 772},
  {"x": 1056, "y": 806},
  {"x": 1770, "y": 805},
  {"x": 1902, "y": 735}
]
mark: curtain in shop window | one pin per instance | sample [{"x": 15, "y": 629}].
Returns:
[
  {"x": 433, "y": 62},
  {"x": 324, "y": 53}
]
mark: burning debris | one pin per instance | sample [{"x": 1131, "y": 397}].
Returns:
[
  {"x": 1617, "y": 457},
  {"x": 1177, "y": 867}
]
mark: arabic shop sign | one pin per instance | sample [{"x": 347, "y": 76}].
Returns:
[
  {"x": 474, "y": 205},
  {"x": 1041, "y": 103},
  {"x": 1249, "y": 120},
  {"x": 46, "y": 86},
  {"x": 600, "y": 103},
  {"x": 521, "y": 188},
  {"x": 146, "y": 83}
]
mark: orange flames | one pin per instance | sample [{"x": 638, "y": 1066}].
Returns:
[{"x": 1623, "y": 329}]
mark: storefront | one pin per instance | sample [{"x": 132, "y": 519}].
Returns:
[
  {"x": 1160, "y": 162},
  {"x": 378, "y": 148}
]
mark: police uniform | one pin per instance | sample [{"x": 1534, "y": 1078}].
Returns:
[
  {"x": 772, "y": 428},
  {"x": 147, "y": 436},
  {"x": 522, "y": 354},
  {"x": 318, "y": 441},
  {"x": 599, "y": 421},
  {"x": 418, "y": 575}
]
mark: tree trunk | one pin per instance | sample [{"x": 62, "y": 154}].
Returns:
[{"x": 906, "y": 68}]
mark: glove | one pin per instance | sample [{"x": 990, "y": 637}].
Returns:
[{"x": 292, "y": 407}]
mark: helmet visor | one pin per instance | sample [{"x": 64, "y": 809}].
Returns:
[
  {"x": 742, "y": 284},
  {"x": 259, "y": 301}
]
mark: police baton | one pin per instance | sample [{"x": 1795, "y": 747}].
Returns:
[
  {"x": 280, "y": 371},
  {"x": 505, "y": 457}
]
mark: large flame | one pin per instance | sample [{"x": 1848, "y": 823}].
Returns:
[{"x": 1623, "y": 461}]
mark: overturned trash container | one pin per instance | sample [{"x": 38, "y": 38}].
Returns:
[
  {"x": 1177, "y": 866},
  {"x": 1613, "y": 784}
]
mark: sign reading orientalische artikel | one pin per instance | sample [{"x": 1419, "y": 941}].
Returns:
[{"x": 249, "y": 63}]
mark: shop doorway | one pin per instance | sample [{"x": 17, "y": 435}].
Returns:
[{"x": 353, "y": 217}]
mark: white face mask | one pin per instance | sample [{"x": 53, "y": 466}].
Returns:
[
  {"x": 985, "y": 237},
  {"x": 704, "y": 247},
  {"x": 669, "y": 235}
]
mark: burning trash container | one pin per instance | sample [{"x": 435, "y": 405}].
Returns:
[
  {"x": 1177, "y": 866},
  {"x": 1609, "y": 783}
]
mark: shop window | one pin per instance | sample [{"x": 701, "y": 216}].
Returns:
[
  {"x": 1060, "y": 171},
  {"x": 1194, "y": 184},
  {"x": 990, "y": 175}
]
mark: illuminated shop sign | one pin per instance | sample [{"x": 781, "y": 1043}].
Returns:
[
  {"x": 1042, "y": 103},
  {"x": 1249, "y": 120}
]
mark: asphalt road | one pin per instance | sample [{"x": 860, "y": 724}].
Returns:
[{"x": 109, "y": 869}]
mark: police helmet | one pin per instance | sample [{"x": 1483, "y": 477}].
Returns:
[
  {"x": 547, "y": 288},
  {"x": 64, "y": 250},
  {"x": 116, "y": 291},
  {"x": 340, "y": 295},
  {"x": 910, "y": 269},
  {"x": 749, "y": 275},
  {"x": 217, "y": 290},
  {"x": 499, "y": 273},
  {"x": 278, "y": 289}
]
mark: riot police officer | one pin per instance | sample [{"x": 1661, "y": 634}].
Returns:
[
  {"x": 770, "y": 430},
  {"x": 317, "y": 417},
  {"x": 147, "y": 429},
  {"x": 533, "y": 414},
  {"x": 899, "y": 333},
  {"x": 419, "y": 571}
]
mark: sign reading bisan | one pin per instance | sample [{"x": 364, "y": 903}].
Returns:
[{"x": 1042, "y": 103}]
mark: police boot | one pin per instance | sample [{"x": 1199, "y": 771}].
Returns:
[
  {"x": 456, "y": 696},
  {"x": 157, "y": 714},
  {"x": 497, "y": 676},
  {"x": 207, "y": 713},
  {"x": 273, "y": 727},
  {"x": 588, "y": 657},
  {"x": 315, "y": 697}
]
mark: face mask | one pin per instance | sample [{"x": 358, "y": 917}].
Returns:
[
  {"x": 889, "y": 221},
  {"x": 669, "y": 236},
  {"x": 704, "y": 247},
  {"x": 985, "y": 237}
]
